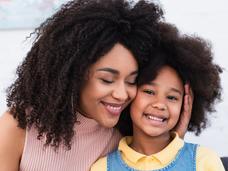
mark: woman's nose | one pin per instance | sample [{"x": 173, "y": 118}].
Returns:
[{"x": 120, "y": 92}]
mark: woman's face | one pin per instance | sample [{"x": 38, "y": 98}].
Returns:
[{"x": 110, "y": 86}]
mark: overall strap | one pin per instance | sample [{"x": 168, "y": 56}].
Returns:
[
  {"x": 116, "y": 163},
  {"x": 185, "y": 160}
]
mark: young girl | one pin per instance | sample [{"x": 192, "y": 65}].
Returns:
[
  {"x": 158, "y": 105},
  {"x": 73, "y": 84}
]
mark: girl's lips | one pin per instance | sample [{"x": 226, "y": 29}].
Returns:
[
  {"x": 155, "y": 120},
  {"x": 114, "y": 109}
]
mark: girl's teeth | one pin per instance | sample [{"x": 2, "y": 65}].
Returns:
[{"x": 154, "y": 118}]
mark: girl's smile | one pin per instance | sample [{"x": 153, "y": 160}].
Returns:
[
  {"x": 157, "y": 106},
  {"x": 155, "y": 119}
]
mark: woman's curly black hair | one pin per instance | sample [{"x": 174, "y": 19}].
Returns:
[
  {"x": 65, "y": 46},
  {"x": 192, "y": 58}
]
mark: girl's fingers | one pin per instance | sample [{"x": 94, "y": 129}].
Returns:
[{"x": 185, "y": 116}]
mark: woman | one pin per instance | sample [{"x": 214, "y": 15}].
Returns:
[{"x": 73, "y": 84}]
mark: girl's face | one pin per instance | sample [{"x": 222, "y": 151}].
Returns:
[
  {"x": 157, "y": 106},
  {"x": 110, "y": 86}
]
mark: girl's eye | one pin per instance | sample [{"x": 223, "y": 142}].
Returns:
[
  {"x": 106, "y": 81},
  {"x": 172, "y": 98},
  {"x": 150, "y": 92}
]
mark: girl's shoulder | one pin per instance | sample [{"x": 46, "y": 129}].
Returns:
[
  {"x": 11, "y": 141},
  {"x": 100, "y": 165},
  {"x": 203, "y": 152},
  {"x": 207, "y": 158}
]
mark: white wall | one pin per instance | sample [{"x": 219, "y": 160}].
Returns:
[
  {"x": 13, "y": 49},
  {"x": 206, "y": 18}
]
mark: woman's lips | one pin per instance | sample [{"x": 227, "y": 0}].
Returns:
[{"x": 113, "y": 108}]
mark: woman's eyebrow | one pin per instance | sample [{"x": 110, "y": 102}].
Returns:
[
  {"x": 111, "y": 70},
  {"x": 114, "y": 71},
  {"x": 134, "y": 72}
]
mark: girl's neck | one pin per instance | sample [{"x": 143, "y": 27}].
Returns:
[{"x": 149, "y": 145}]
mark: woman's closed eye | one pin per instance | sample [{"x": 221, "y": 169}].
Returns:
[
  {"x": 131, "y": 82},
  {"x": 106, "y": 81}
]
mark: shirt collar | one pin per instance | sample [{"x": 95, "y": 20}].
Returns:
[
  {"x": 130, "y": 154},
  {"x": 171, "y": 149}
]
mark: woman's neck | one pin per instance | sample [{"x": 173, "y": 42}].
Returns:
[{"x": 149, "y": 145}]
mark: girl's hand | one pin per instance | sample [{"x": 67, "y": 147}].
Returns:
[{"x": 185, "y": 116}]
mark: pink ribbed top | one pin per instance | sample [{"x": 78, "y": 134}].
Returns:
[{"x": 90, "y": 142}]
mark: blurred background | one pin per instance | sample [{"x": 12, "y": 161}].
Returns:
[{"x": 208, "y": 19}]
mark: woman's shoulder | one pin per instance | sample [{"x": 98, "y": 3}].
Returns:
[
  {"x": 12, "y": 137},
  {"x": 9, "y": 124}
]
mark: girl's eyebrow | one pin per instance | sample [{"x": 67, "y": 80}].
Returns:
[
  {"x": 176, "y": 90},
  {"x": 172, "y": 89},
  {"x": 115, "y": 72}
]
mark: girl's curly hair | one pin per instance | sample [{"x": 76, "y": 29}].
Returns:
[
  {"x": 192, "y": 58},
  {"x": 65, "y": 46}
]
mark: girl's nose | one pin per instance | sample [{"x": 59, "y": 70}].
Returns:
[{"x": 159, "y": 106}]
